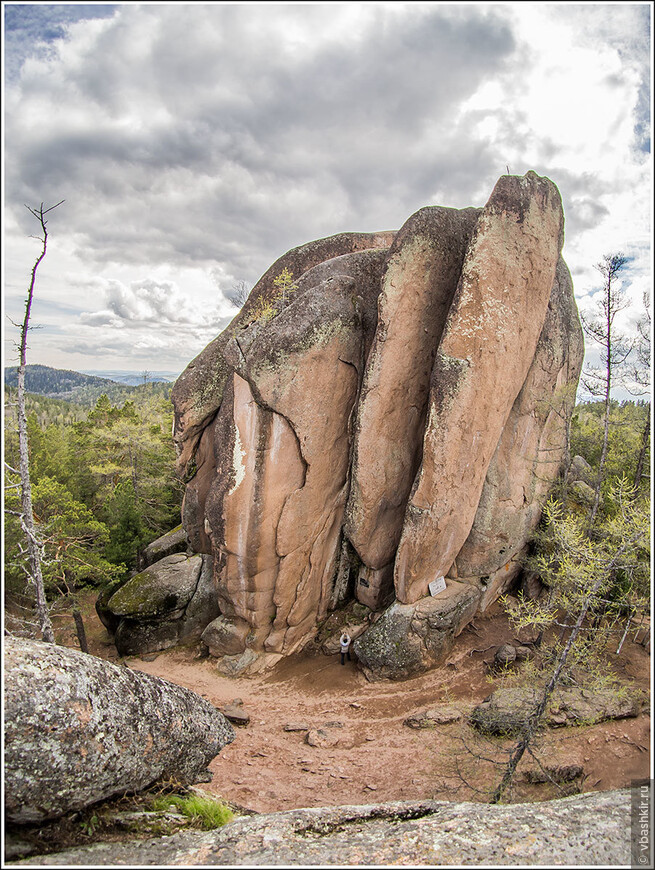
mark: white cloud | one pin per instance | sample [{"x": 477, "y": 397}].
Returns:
[{"x": 195, "y": 143}]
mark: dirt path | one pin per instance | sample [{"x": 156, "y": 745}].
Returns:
[{"x": 372, "y": 755}]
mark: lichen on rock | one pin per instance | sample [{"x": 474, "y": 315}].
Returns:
[{"x": 79, "y": 729}]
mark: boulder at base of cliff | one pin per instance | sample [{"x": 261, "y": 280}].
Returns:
[
  {"x": 409, "y": 639},
  {"x": 172, "y": 542},
  {"x": 171, "y": 601},
  {"x": 79, "y": 730}
]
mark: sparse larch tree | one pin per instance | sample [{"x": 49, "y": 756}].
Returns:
[{"x": 614, "y": 351}]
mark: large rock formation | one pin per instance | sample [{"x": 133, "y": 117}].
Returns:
[
  {"x": 386, "y": 410},
  {"x": 79, "y": 730}
]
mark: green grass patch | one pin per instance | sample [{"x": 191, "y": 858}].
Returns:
[{"x": 204, "y": 812}]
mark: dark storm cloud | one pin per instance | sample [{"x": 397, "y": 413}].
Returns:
[{"x": 201, "y": 133}]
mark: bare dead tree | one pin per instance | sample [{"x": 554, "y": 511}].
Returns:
[
  {"x": 28, "y": 524},
  {"x": 534, "y": 721},
  {"x": 239, "y": 293},
  {"x": 641, "y": 377},
  {"x": 614, "y": 351}
]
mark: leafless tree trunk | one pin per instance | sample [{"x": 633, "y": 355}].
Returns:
[
  {"x": 614, "y": 353},
  {"x": 79, "y": 628},
  {"x": 34, "y": 546}
]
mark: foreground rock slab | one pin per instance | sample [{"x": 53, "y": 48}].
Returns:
[
  {"x": 79, "y": 730},
  {"x": 588, "y": 830}
]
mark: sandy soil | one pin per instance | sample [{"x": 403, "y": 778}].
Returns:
[{"x": 375, "y": 757}]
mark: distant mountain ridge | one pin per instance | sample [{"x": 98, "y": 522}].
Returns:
[
  {"x": 53, "y": 382},
  {"x": 81, "y": 387},
  {"x": 133, "y": 378}
]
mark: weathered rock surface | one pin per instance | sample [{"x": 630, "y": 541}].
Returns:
[
  {"x": 198, "y": 392},
  {"x": 442, "y": 714},
  {"x": 175, "y": 541},
  {"x": 397, "y": 415},
  {"x": 409, "y": 639},
  {"x": 79, "y": 730},
  {"x": 173, "y": 600},
  {"x": 586, "y": 830},
  {"x": 530, "y": 452},
  {"x": 506, "y": 711},
  {"x": 420, "y": 278},
  {"x": 489, "y": 340}
]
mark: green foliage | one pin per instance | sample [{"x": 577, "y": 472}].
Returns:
[
  {"x": 268, "y": 308},
  {"x": 90, "y": 825},
  {"x": 608, "y": 571},
  {"x": 627, "y": 422},
  {"x": 73, "y": 541},
  {"x": 204, "y": 812},
  {"x": 127, "y": 534},
  {"x": 103, "y": 487}
]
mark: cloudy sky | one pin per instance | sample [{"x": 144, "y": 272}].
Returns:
[{"x": 194, "y": 144}]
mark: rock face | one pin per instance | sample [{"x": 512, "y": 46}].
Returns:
[
  {"x": 386, "y": 410},
  {"x": 79, "y": 729},
  {"x": 171, "y": 601},
  {"x": 586, "y": 830}
]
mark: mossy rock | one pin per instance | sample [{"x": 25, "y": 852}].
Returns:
[
  {"x": 172, "y": 542},
  {"x": 160, "y": 590}
]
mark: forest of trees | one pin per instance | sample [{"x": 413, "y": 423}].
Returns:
[
  {"x": 47, "y": 383},
  {"x": 104, "y": 485}
]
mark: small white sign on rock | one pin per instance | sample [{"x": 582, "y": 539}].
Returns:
[{"x": 437, "y": 586}]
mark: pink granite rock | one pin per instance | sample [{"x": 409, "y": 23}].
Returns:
[{"x": 483, "y": 358}]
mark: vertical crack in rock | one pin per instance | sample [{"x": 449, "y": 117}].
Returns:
[
  {"x": 198, "y": 392},
  {"x": 418, "y": 285},
  {"x": 506, "y": 282}
]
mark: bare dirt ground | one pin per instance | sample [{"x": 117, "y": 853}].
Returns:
[{"x": 375, "y": 757}]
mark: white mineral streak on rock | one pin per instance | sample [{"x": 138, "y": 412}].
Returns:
[{"x": 238, "y": 464}]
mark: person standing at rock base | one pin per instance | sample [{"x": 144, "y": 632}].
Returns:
[{"x": 344, "y": 641}]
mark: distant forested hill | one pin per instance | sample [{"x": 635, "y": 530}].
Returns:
[
  {"x": 79, "y": 388},
  {"x": 53, "y": 382}
]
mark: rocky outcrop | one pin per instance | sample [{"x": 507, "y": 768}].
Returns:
[
  {"x": 485, "y": 352},
  {"x": 507, "y": 711},
  {"x": 79, "y": 730},
  {"x": 171, "y": 601},
  {"x": 530, "y": 452},
  {"x": 409, "y": 639},
  {"x": 586, "y": 830},
  {"x": 387, "y": 410},
  {"x": 420, "y": 278},
  {"x": 172, "y": 542},
  {"x": 198, "y": 392}
]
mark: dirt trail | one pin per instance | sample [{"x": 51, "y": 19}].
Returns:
[{"x": 375, "y": 757}]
